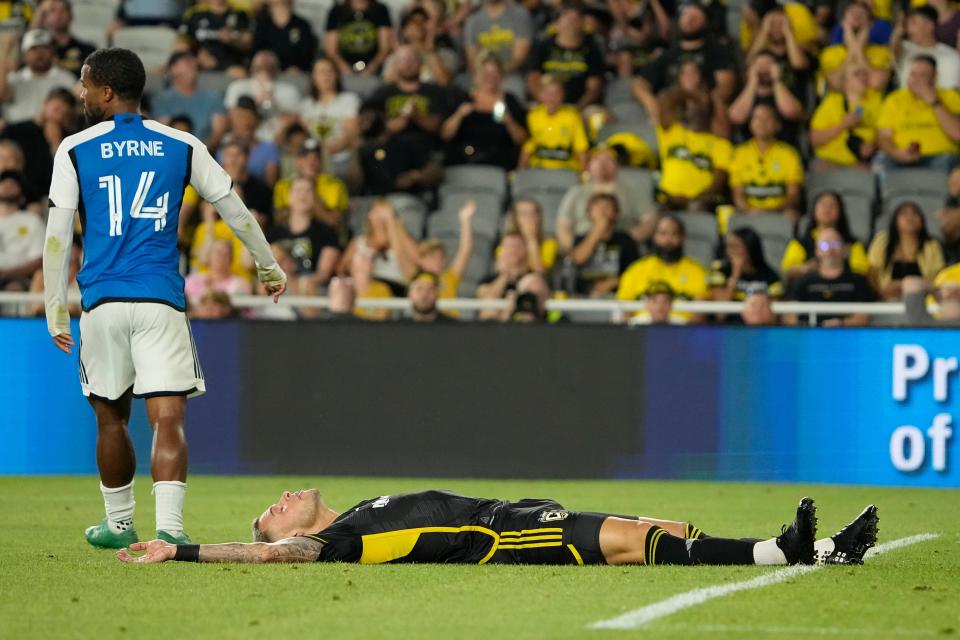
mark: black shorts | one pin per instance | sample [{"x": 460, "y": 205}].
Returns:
[{"x": 543, "y": 532}]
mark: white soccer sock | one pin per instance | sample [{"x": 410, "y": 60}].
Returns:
[
  {"x": 118, "y": 502},
  {"x": 767, "y": 552},
  {"x": 169, "y": 495},
  {"x": 823, "y": 548}
]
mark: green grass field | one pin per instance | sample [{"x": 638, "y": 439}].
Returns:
[{"x": 52, "y": 585}]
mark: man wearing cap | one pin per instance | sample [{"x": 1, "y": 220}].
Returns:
[
  {"x": 21, "y": 236},
  {"x": 23, "y": 91},
  {"x": 55, "y": 16},
  {"x": 331, "y": 191},
  {"x": 184, "y": 96}
]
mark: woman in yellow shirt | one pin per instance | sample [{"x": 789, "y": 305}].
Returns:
[
  {"x": 800, "y": 257},
  {"x": 843, "y": 130},
  {"x": 904, "y": 249}
]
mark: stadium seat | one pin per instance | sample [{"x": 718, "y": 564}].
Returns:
[
  {"x": 214, "y": 80},
  {"x": 641, "y": 185},
  {"x": 357, "y": 213},
  {"x": 412, "y": 211},
  {"x": 363, "y": 86},
  {"x": 479, "y": 178},
  {"x": 702, "y": 235},
  {"x": 91, "y": 19},
  {"x": 775, "y": 232},
  {"x": 912, "y": 182},
  {"x": 153, "y": 44},
  {"x": 486, "y": 222},
  {"x": 155, "y": 84},
  {"x": 629, "y": 113},
  {"x": 549, "y": 202},
  {"x": 618, "y": 91},
  {"x": 929, "y": 205},
  {"x": 527, "y": 181},
  {"x": 644, "y": 130},
  {"x": 315, "y": 12}
]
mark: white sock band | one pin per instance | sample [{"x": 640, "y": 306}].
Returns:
[
  {"x": 118, "y": 503},
  {"x": 767, "y": 552},
  {"x": 169, "y": 496}
]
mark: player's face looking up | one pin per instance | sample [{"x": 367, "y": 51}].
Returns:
[{"x": 291, "y": 515}]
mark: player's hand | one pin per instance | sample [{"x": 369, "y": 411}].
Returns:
[
  {"x": 155, "y": 551},
  {"x": 274, "y": 280},
  {"x": 64, "y": 342}
]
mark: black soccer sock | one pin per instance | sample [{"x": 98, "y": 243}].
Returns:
[
  {"x": 662, "y": 548},
  {"x": 693, "y": 532}
]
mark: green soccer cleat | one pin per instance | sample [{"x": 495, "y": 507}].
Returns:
[
  {"x": 100, "y": 535},
  {"x": 180, "y": 538}
]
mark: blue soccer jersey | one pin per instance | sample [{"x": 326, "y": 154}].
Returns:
[{"x": 126, "y": 177}]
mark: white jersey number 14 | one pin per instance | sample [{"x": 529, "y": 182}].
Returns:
[{"x": 158, "y": 212}]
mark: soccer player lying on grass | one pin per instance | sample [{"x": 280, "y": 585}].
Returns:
[{"x": 437, "y": 526}]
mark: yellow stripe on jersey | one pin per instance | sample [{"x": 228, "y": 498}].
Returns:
[
  {"x": 542, "y": 538},
  {"x": 391, "y": 545},
  {"x": 576, "y": 554},
  {"x": 529, "y": 531}
]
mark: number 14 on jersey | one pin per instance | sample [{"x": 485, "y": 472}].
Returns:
[{"x": 157, "y": 212}]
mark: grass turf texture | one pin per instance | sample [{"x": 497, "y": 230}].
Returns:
[{"x": 53, "y": 585}]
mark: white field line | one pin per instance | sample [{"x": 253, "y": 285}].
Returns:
[
  {"x": 644, "y": 615},
  {"x": 798, "y": 631}
]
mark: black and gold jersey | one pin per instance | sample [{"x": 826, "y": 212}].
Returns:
[{"x": 444, "y": 527}]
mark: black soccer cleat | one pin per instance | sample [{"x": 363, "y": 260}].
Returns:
[
  {"x": 852, "y": 542},
  {"x": 796, "y": 540}
]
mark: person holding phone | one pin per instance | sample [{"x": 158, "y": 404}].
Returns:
[{"x": 843, "y": 129}]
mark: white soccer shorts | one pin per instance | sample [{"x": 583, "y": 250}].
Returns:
[{"x": 145, "y": 345}]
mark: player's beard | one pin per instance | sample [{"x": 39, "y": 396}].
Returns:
[{"x": 93, "y": 115}]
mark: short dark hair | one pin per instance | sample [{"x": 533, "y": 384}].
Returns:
[
  {"x": 930, "y": 60},
  {"x": 182, "y": 119},
  {"x": 63, "y": 95},
  {"x": 675, "y": 219},
  {"x": 119, "y": 69},
  {"x": 925, "y": 11},
  {"x": 604, "y": 197}
]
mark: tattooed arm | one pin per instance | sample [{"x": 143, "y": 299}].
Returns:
[{"x": 297, "y": 549}]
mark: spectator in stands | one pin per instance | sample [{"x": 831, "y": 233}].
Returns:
[
  {"x": 603, "y": 254},
  {"x": 689, "y": 81},
  {"x": 694, "y": 162},
  {"x": 949, "y": 217},
  {"x": 843, "y": 130},
  {"x": 919, "y": 125},
  {"x": 686, "y": 276},
  {"x": 220, "y": 34},
  {"x": 487, "y": 125},
  {"x": 15, "y": 16},
  {"x": 715, "y": 61},
  {"x": 856, "y": 47},
  {"x": 343, "y": 297},
  {"x": 832, "y": 282},
  {"x": 210, "y": 231},
  {"x": 430, "y": 255},
  {"x": 242, "y": 122},
  {"x": 558, "y": 139},
  {"x": 921, "y": 40},
  {"x": 359, "y": 37},
  {"x": 904, "y": 249},
  {"x": 403, "y": 120},
  {"x": 766, "y": 86},
  {"x": 277, "y": 99},
  {"x": 21, "y": 236},
  {"x": 946, "y": 293},
  {"x": 439, "y": 62},
  {"x": 758, "y": 310},
  {"x": 287, "y": 35},
  {"x": 218, "y": 275},
  {"x": 313, "y": 244},
  {"x": 643, "y": 31},
  {"x": 423, "y": 292},
  {"x": 372, "y": 260},
  {"x": 572, "y": 57},
  {"x": 23, "y": 91},
  {"x": 658, "y": 306},
  {"x": 184, "y": 96},
  {"x": 787, "y": 29},
  {"x": 765, "y": 173},
  {"x": 501, "y": 28},
  {"x": 880, "y": 14},
  {"x": 948, "y": 22},
  {"x": 213, "y": 305},
  {"x": 512, "y": 264},
  {"x": 603, "y": 177},
  {"x": 526, "y": 218},
  {"x": 12, "y": 159},
  {"x": 331, "y": 193},
  {"x": 744, "y": 269},
  {"x": 828, "y": 212},
  {"x": 332, "y": 115},
  {"x": 791, "y": 60},
  {"x": 40, "y": 137},
  {"x": 55, "y": 16}
]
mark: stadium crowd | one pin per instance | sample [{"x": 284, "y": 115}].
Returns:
[{"x": 628, "y": 149}]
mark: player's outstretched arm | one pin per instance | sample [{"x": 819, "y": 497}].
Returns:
[
  {"x": 56, "y": 268},
  {"x": 289, "y": 550}
]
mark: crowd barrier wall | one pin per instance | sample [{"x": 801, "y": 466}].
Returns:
[{"x": 858, "y": 406}]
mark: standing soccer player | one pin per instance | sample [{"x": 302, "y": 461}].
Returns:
[{"x": 126, "y": 176}]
